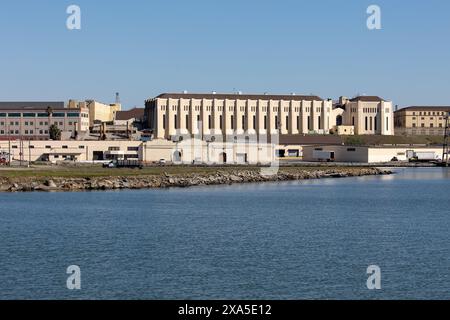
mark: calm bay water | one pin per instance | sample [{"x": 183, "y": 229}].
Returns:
[{"x": 294, "y": 240}]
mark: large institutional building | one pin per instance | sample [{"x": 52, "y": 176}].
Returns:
[
  {"x": 32, "y": 120},
  {"x": 222, "y": 116},
  {"x": 421, "y": 120}
]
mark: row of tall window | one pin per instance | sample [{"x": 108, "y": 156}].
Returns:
[
  {"x": 278, "y": 125},
  {"x": 245, "y": 109}
]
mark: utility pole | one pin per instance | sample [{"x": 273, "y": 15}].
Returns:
[
  {"x": 29, "y": 152},
  {"x": 9, "y": 144},
  {"x": 445, "y": 149}
]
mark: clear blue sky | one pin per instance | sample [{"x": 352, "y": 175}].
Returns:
[{"x": 145, "y": 47}]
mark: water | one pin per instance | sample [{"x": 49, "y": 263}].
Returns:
[{"x": 293, "y": 240}]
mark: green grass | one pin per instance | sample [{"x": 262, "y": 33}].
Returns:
[
  {"x": 394, "y": 140},
  {"x": 97, "y": 171}
]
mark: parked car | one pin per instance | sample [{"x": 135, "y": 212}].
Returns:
[
  {"x": 162, "y": 162},
  {"x": 110, "y": 164},
  {"x": 394, "y": 159}
]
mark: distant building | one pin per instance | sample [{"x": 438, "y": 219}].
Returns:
[
  {"x": 133, "y": 117},
  {"x": 32, "y": 120},
  {"x": 225, "y": 115},
  {"x": 98, "y": 112},
  {"x": 366, "y": 154},
  {"x": 424, "y": 120},
  {"x": 369, "y": 115}
]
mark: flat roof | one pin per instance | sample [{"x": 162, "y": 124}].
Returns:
[
  {"x": 223, "y": 96},
  {"x": 367, "y": 99},
  {"x": 425, "y": 108},
  {"x": 299, "y": 139},
  {"x": 31, "y": 105}
]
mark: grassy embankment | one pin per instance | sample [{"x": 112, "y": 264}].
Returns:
[{"x": 97, "y": 171}]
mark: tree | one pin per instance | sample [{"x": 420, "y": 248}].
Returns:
[{"x": 55, "y": 133}]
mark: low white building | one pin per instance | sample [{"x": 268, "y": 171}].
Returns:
[{"x": 365, "y": 154}]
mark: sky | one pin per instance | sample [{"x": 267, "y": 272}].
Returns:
[{"x": 142, "y": 48}]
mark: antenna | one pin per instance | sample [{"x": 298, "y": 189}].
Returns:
[{"x": 117, "y": 98}]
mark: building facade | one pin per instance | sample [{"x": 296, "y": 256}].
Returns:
[
  {"x": 32, "y": 120},
  {"x": 98, "y": 112},
  {"x": 425, "y": 120},
  {"x": 365, "y": 154},
  {"x": 369, "y": 115},
  {"x": 222, "y": 116},
  {"x": 185, "y": 152},
  {"x": 225, "y": 115}
]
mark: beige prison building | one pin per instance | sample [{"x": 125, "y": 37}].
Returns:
[
  {"x": 425, "y": 120},
  {"x": 222, "y": 116},
  {"x": 368, "y": 115},
  {"x": 98, "y": 112},
  {"x": 185, "y": 152}
]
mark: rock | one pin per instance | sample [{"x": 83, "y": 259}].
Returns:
[{"x": 50, "y": 184}]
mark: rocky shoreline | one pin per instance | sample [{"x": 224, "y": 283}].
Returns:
[{"x": 28, "y": 184}]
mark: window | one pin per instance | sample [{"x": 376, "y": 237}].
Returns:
[
  {"x": 73, "y": 115},
  {"x": 113, "y": 148},
  {"x": 265, "y": 122},
  {"x": 29, "y": 115},
  {"x": 351, "y": 149},
  {"x": 232, "y": 122},
  {"x": 387, "y": 123},
  {"x": 65, "y": 147},
  {"x": 133, "y": 148},
  {"x": 254, "y": 122},
  {"x": 187, "y": 122},
  {"x": 209, "y": 122},
  {"x": 367, "y": 123},
  {"x": 221, "y": 122},
  {"x": 243, "y": 122},
  {"x": 164, "y": 122},
  {"x": 14, "y": 115},
  {"x": 58, "y": 115},
  {"x": 287, "y": 123},
  {"x": 175, "y": 122},
  {"x": 319, "y": 120}
]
